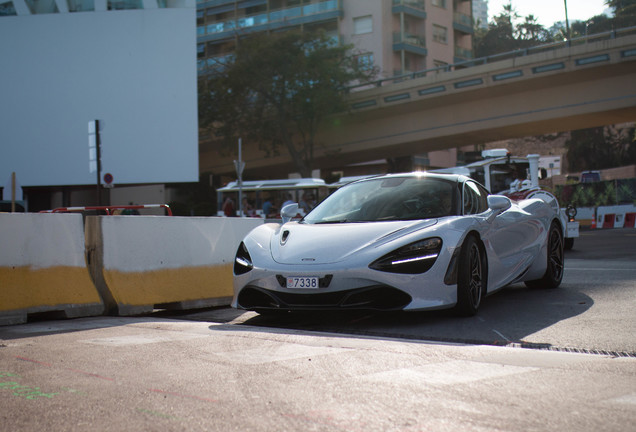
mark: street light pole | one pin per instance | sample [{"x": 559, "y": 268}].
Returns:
[
  {"x": 567, "y": 22},
  {"x": 240, "y": 166}
]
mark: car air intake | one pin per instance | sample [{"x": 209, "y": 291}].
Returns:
[{"x": 382, "y": 298}]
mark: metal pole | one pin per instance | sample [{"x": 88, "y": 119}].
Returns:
[
  {"x": 99, "y": 164},
  {"x": 567, "y": 22},
  {"x": 13, "y": 192},
  {"x": 240, "y": 179},
  {"x": 402, "y": 52}
]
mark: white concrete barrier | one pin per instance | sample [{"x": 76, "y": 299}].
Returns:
[
  {"x": 42, "y": 267},
  {"x": 618, "y": 216},
  {"x": 143, "y": 262},
  {"x": 585, "y": 216}
]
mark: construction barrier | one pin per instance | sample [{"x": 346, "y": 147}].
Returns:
[
  {"x": 42, "y": 267},
  {"x": 620, "y": 216},
  {"x": 145, "y": 262},
  {"x": 586, "y": 217}
]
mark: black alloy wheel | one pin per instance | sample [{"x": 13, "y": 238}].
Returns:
[
  {"x": 471, "y": 279},
  {"x": 554, "y": 272}
]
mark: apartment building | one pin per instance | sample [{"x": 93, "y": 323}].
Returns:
[
  {"x": 397, "y": 36},
  {"x": 480, "y": 13}
]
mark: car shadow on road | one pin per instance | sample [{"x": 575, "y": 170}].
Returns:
[{"x": 507, "y": 317}]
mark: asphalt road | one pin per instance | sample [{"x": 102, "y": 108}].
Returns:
[
  {"x": 592, "y": 311},
  {"x": 222, "y": 370}
]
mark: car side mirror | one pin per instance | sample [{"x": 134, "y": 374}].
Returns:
[
  {"x": 289, "y": 212},
  {"x": 498, "y": 204}
]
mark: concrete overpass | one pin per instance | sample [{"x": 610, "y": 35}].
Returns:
[{"x": 560, "y": 89}]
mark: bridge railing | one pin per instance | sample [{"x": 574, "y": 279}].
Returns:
[{"x": 627, "y": 31}]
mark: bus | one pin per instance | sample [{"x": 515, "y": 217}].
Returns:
[{"x": 254, "y": 194}]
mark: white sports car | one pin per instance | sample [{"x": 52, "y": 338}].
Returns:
[{"x": 412, "y": 241}]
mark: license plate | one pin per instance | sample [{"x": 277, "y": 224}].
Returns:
[{"x": 303, "y": 282}]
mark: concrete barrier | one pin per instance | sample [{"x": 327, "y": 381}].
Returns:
[
  {"x": 585, "y": 216},
  {"x": 42, "y": 267},
  {"x": 144, "y": 262},
  {"x": 619, "y": 216}
]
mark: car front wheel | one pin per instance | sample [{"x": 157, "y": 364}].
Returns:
[{"x": 471, "y": 278}]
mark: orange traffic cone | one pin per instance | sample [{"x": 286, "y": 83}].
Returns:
[{"x": 593, "y": 226}]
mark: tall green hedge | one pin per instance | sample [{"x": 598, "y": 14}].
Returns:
[{"x": 611, "y": 192}]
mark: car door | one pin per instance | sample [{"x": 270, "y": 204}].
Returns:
[{"x": 511, "y": 245}]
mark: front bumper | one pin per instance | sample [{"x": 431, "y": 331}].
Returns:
[{"x": 379, "y": 297}]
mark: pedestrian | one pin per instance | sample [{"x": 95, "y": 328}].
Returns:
[
  {"x": 267, "y": 207},
  {"x": 228, "y": 207}
]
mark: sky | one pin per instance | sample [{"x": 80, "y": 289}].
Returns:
[{"x": 548, "y": 12}]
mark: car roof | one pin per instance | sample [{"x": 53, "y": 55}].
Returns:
[{"x": 416, "y": 174}]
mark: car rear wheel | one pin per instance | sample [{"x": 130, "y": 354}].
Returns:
[
  {"x": 554, "y": 272},
  {"x": 471, "y": 278}
]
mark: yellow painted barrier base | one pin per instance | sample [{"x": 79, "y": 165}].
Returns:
[
  {"x": 140, "y": 292},
  {"x": 26, "y": 290}
]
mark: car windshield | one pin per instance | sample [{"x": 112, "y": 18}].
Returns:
[{"x": 387, "y": 199}]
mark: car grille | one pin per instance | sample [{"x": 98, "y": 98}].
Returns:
[{"x": 383, "y": 298}]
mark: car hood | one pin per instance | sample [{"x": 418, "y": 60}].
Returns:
[{"x": 299, "y": 243}]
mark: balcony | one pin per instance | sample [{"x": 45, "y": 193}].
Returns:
[
  {"x": 413, "y": 8},
  {"x": 272, "y": 20},
  {"x": 230, "y": 4},
  {"x": 463, "y": 23},
  {"x": 216, "y": 63},
  {"x": 408, "y": 42},
  {"x": 462, "y": 54}
]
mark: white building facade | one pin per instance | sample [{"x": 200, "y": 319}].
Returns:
[{"x": 130, "y": 64}]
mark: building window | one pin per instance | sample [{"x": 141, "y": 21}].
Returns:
[
  {"x": 124, "y": 4},
  {"x": 81, "y": 5},
  {"x": 362, "y": 25},
  {"x": 7, "y": 9},
  {"x": 365, "y": 61},
  {"x": 439, "y": 3},
  {"x": 42, "y": 6},
  {"x": 440, "y": 34}
]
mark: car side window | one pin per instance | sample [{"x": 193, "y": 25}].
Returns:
[{"x": 475, "y": 199}]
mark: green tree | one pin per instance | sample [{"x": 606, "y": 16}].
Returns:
[
  {"x": 624, "y": 12},
  {"x": 500, "y": 35},
  {"x": 277, "y": 89},
  {"x": 600, "y": 147},
  {"x": 530, "y": 32},
  {"x": 503, "y": 35}
]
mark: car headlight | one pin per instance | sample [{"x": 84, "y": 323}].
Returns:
[
  {"x": 414, "y": 258},
  {"x": 242, "y": 261}
]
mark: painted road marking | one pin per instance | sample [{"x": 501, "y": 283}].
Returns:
[
  {"x": 448, "y": 373},
  {"x": 140, "y": 339},
  {"x": 278, "y": 352},
  {"x": 629, "y": 399}
]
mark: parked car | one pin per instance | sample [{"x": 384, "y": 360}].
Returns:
[{"x": 590, "y": 176}]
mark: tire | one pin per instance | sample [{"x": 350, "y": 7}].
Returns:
[
  {"x": 554, "y": 272},
  {"x": 471, "y": 278},
  {"x": 568, "y": 243}
]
